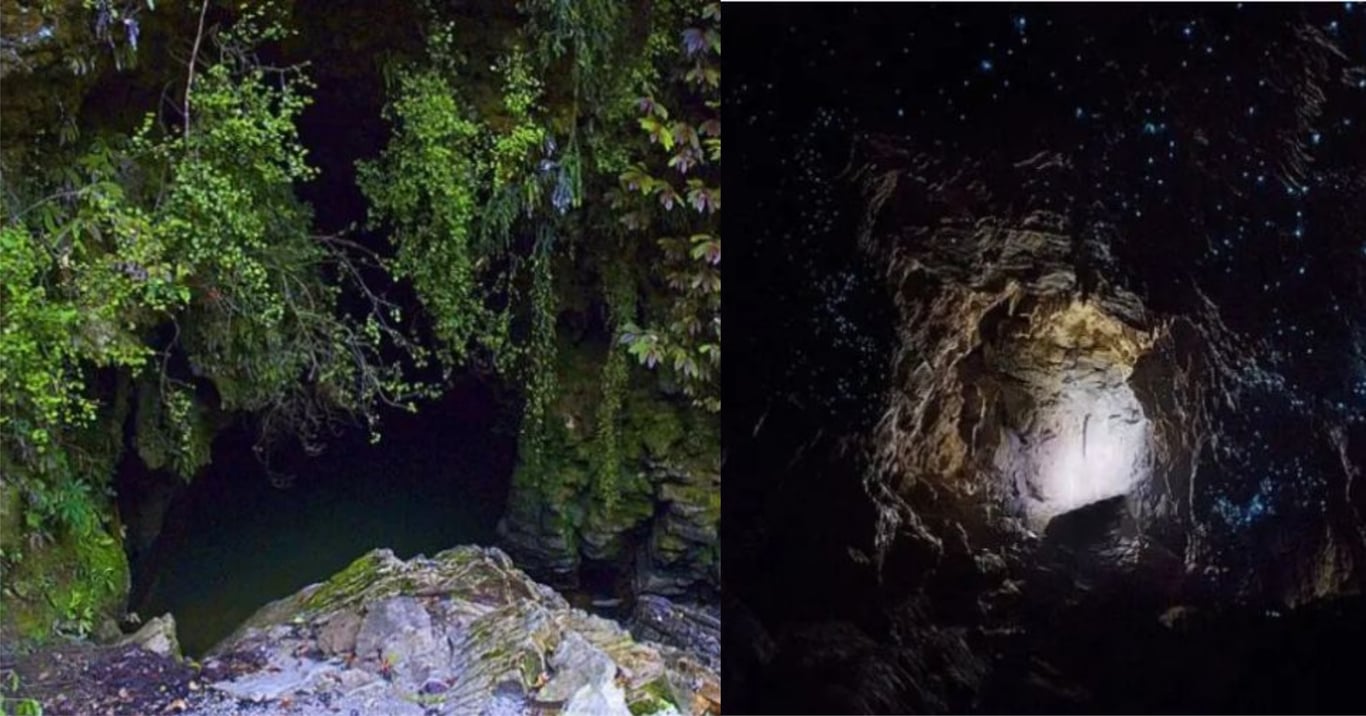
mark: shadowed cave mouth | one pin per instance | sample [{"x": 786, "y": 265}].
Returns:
[
  {"x": 245, "y": 532},
  {"x": 1048, "y": 401}
]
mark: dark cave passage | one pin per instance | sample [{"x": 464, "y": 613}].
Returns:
[
  {"x": 1107, "y": 468},
  {"x": 232, "y": 540}
]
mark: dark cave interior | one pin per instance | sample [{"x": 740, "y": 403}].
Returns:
[
  {"x": 248, "y": 531},
  {"x": 1074, "y": 402}
]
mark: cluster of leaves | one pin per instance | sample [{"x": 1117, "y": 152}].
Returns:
[
  {"x": 675, "y": 191},
  {"x": 585, "y": 32},
  {"x": 425, "y": 185},
  {"x": 470, "y": 200},
  {"x": 179, "y": 258},
  {"x": 12, "y": 706},
  {"x": 68, "y": 503},
  {"x": 44, "y": 342},
  {"x": 483, "y": 200},
  {"x": 540, "y": 370}
]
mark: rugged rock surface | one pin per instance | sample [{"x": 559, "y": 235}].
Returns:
[
  {"x": 1022, "y": 347},
  {"x": 463, "y": 632},
  {"x": 1073, "y": 404},
  {"x": 654, "y": 530},
  {"x": 1056, "y": 467},
  {"x": 695, "y": 629}
]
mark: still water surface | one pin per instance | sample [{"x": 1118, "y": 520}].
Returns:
[{"x": 235, "y": 542}]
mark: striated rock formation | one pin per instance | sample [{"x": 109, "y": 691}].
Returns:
[
  {"x": 696, "y": 630},
  {"x": 464, "y": 632}
]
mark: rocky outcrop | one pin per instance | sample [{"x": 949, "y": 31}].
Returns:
[
  {"x": 653, "y": 530},
  {"x": 1033, "y": 376},
  {"x": 694, "y": 629},
  {"x": 683, "y": 550},
  {"x": 462, "y": 632},
  {"x": 157, "y": 636}
]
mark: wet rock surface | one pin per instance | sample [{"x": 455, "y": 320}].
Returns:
[
  {"x": 693, "y": 628},
  {"x": 463, "y": 632}
]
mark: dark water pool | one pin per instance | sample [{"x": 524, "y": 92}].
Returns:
[{"x": 234, "y": 541}]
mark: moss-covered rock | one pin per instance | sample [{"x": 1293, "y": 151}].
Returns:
[
  {"x": 658, "y": 516},
  {"x": 464, "y": 630},
  {"x": 63, "y": 568},
  {"x": 56, "y": 583}
]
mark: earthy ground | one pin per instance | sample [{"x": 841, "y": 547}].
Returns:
[{"x": 86, "y": 680}]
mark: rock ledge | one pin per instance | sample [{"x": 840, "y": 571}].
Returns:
[{"x": 462, "y": 632}]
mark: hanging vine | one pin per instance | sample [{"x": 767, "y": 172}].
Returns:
[
  {"x": 540, "y": 374},
  {"x": 472, "y": 192},
  {"x": 621, "y": 308}
]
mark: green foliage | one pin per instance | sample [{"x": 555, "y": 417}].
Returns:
[
  {"x": 463, "y": 194},
  {"x": 675, "y": 195},
  {"x": 70, "y": 504},
  {"x": 173, "y": 258},
  {"x": 40, "y": 389},
  {"x": 514, "y": 148},
  {"x": 68, "y": 572},
  {"x": 81, "y": 269},
  {"x": 263, "y": 323},
  {"x": 583, "y": 30},
  {"x": 568, "y": 489},
  {"x": 194, "y": 244},
  {"x": 473, "y": 192},
  {"x": 12, "y": 706},
  {"x": 427, "y": 189},
  {"x": 540, "y": 378}
]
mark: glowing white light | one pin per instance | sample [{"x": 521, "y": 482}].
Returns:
[{"x": 1093, "y": 447}]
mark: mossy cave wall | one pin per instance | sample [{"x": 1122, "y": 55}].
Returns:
[
  {"x": 657, "y": 533},
  {"x": 65, "y": 579}
]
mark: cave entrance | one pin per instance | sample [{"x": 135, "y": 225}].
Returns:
[
  {"x": 241, "y": 534},
  {"x": 1073, "y": 432}
]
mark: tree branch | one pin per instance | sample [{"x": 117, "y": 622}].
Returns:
[{"x": 194, "y": 55}]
